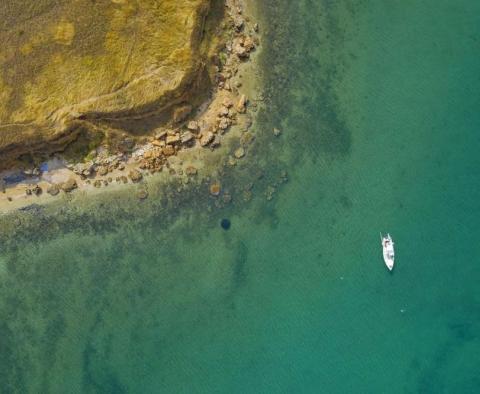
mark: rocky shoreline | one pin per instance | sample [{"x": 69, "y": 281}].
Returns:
[{"x": 178, "y": 149}]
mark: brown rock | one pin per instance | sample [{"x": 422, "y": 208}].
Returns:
[
  {"x": 168, "y": 150},
  {"x": 135, "y": 175},
  {"x": 102, "y": 170},
  {"x": 83, "y": 169},
  {"x": 69, "y": 185},
  {"x": 173, "y": 139},
  {"x": 239, "y": 153},
  {"x": 160, "y": 144},
  {"x": 53, "y": 190},
  {"x": 247, "y": 195},
  {"x": 187, "y": 137},
  {"x": 192, "y": 125},
  {"x": 231, "y": 113},
  {"x": 247, "y": 123},
  {"x": 157, "y": 153},
  {"x": 191, "y": 170},
  {"x": 223, "y": 111},
  {"x": 216, "y": 142},
  {"x": 224, "y": 123},
  {"x": 97, "y": 183},
  {"x": 142, "y": 194},
  {"x": 206, "y": 138},
  {"x": 249, "y": 44},
  {"x": 246, "y": 138},
  {"x": 269, "y": 192},
  {"x": 238, "y": 22},
  {"x": 242, "y": 104},
  {"x": 231, "y": 161},
  {"x": 215, "y": 188},
  {"x": 227, "y": 102},
  {"x": 227, "y": 198},
  {"x": 240, "y": 51}
]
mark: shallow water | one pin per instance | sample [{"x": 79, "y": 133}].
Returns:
[{"x": 378, "y": 107}]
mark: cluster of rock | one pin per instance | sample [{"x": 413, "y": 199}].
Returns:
[
  {"x": 244, "y": 42},
  {"x": 165, "y": 143},
  {"x": 229, "y": 107},
  {"x": 53, "y": 189},
  {"x": 101, "y": 166},
  {"x": 226, "y": 116},
  {"x": 207, "y": 133}
]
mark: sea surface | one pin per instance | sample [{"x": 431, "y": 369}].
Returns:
[{"x": 378, "y": 103}]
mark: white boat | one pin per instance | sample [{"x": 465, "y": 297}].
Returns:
[{"x": 388, "y": 252}]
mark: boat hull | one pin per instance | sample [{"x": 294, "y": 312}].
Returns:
[{"x": 388, "y": 251}]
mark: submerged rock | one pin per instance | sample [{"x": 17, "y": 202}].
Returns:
[
  {"x": 53, "y": 190},
  {"x": 135, "y": 175},
  {"x": 69, "y": 185},
  {"x": 215, "y": 188},
  {"x": 239, "y": 153},
  {"x": 191, "y": 170},
  {"x": 142, "y": 194},
  {"x": 225, "y": 224},
  {"x": 242, "y": 104}
]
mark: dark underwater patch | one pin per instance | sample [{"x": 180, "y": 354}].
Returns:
[{"x": 225, "y": 224}]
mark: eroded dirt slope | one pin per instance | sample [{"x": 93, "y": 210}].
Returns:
[{"x": 65, "y": 64}]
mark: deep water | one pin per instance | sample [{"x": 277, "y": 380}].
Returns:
[{"x": 378, "y": 104}]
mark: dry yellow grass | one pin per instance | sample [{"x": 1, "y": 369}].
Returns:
[{"x": 70, "y": 59}]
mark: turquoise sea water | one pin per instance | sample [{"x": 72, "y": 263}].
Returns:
[{"x": 378, "y": 103}]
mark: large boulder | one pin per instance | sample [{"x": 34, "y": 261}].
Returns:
[
  {"x": 69, "y": 185},
  {"x": 135, "y": 175}
]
